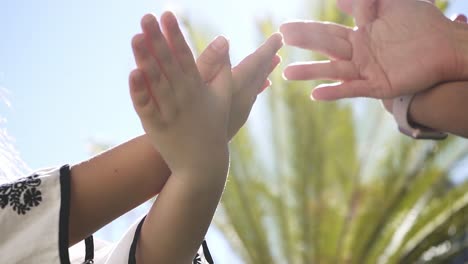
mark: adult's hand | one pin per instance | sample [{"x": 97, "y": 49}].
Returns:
[
  {"x": 388, "y": 103},
  {"x": 402, "y": 47}
]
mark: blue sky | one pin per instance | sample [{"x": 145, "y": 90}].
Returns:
[{"x": 64, "y": 65}]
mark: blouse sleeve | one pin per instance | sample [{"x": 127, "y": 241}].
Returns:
[
  {"x": 34, "y": 218},
  {"x": 124, "y": 250}
]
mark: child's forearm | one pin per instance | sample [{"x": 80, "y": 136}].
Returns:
[
  {"x": 112, "y": 183},
  {"x": 179, "y": 219},
  {"x": 443, "y": 108}
]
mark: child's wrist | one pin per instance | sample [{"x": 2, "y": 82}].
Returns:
[{"x": 208, "y": 164}]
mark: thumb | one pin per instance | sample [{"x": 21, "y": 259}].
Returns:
[{"x": 213, "y": 58}]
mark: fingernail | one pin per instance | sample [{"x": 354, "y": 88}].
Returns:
[{"x": 220, "y": 43}]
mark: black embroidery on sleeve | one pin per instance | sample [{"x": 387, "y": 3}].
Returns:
[
  {"x": 197, "y": 259},
  {"x": 22, "y": 195}
]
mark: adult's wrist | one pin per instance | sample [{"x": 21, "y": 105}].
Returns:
[{"x": 442, "y": 108}]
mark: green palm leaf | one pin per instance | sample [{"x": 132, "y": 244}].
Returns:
[{"x": 336, "y": 182}]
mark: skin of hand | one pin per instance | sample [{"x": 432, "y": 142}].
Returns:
[
  {"x": 165, "y": 74},
  {"x": 103, "y": 187},
  {"x": 181, "y": 113},
  {"x": 446, "y": 98},
  {"x": 385, "y": 56},
  {"x": 190, "y": 109},
  {"x": 345, "y": 6}
]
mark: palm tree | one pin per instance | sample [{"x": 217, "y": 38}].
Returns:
[{"x": 335, "y": 182}]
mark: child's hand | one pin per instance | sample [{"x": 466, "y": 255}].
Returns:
[
  {"x": 185, "y": 117},
  {"x": 249, "y": 78},
  {"x": 189, "y": 110}
]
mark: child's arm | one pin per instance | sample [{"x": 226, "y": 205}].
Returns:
[
  {"x": 110, "y": 184},
  {"x": 190, "y": 117}
]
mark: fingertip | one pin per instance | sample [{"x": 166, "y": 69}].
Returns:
[
  {"x": 169, "y": 19},
  {"x": 316, "y": 95},
  {"x": 277, "y": 39},
  {"x": 138, "y": 41},
  {"x": 277, "y": 36},
  {"x": 282, "y": 28},
  {"x": 289, "y": 30},
  {"x": 328, "y": 92},
  {"x": 220, "y": 44},
  {"x": 277, "y": 59},
  {"x": 265, "y": 85},
  {"x": 287, "y": 73},
  {"x": 168, "y": 14},
  {"x": 148, "y": 20},
  {"x": 285, "y": 27}
]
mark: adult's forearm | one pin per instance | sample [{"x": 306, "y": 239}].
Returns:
[
  {"x": 112, "y": 183},
  {"x": 443, "y": 108},
  {"x": 459, "y": 35}
]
